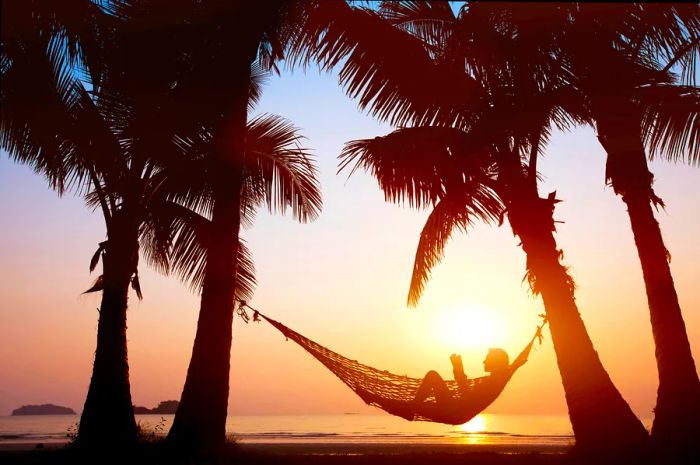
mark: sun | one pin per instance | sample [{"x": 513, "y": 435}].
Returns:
[
  {"x": 469, "y": 327},
  {"x": 477, "y": 424}
]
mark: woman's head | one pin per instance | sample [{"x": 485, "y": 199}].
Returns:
[{"x": 496, "y": 360}]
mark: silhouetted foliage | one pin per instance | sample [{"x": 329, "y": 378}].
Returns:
[
  {"x": 120, "y": 140},
  {"x": 519, "y": 97}
]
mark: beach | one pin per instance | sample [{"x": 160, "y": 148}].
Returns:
[
  {"x": 322, "y": 453},
  {"x": 297, "y": 431},
  {"x": 319, "y": 439},
  {"x": 348, "y": 438}
]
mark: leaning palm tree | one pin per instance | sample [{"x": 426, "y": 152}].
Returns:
[
  {"x": 620, "y": 57},
  {"x": 469, "y": 95},
  {"x": 636, "y": 104}
]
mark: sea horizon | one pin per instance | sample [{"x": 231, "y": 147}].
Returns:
[{"x": 347, "y": 428}]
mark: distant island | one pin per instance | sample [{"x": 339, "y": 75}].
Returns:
[
  {"x": 167, "y": 407},
  {"x": 45, "y": 409}
]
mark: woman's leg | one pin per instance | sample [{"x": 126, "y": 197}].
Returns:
[{"x": 433, "y": 384}]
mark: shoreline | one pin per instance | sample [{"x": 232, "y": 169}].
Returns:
[
  {"x": 345, "y": 448},
  {"x": 321, "y": 453}
]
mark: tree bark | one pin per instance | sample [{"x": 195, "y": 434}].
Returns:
[
  {"x": 677, "y": 414},
  {"x": 602, "y": 420},
  {"x": 107, "y": 420},
  {"x": 200, "y": 421}
]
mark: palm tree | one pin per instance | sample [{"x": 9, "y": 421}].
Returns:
[
  {"x": 620, "y": 57},
  {"x": 46, "y": 118},
  {"x": 492, "y": 114},
  {"x": 238, "y": 35},
  {"x": 142, "y": 177},
  {"x": 635, "y": 103}
]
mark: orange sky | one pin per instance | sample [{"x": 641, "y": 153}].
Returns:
[{"x": 343, "y": 281}]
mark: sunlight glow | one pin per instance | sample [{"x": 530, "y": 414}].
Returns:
[
  {"x": 475, "y": 425},
  {"x": 473, "y": 327}
]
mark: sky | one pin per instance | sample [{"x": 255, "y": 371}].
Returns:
[{"x": 342, "y": 281}]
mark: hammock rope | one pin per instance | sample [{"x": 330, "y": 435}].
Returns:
[{"x": 395, "y": 393}]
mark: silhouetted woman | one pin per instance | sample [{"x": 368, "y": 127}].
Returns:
[{"x": 496, "y": 363}]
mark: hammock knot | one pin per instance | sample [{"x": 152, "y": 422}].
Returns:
[{"x": 242, "y": 313}]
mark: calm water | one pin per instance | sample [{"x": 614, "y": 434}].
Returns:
[{"x": 350, "y": 428}]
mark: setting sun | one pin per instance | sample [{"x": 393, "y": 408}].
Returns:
[
  {"x": 470, "y": 327},
  {"x": 475, "y": 425}
]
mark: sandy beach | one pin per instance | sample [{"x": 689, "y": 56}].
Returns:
[
  {"x": 317, "y": 453},
  {"x": 308, "y": 454}
]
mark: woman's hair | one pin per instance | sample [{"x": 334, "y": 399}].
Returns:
[{"x": 499, "y": 358}]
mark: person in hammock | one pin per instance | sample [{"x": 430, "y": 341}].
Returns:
[{"x": 496, "y": 363}]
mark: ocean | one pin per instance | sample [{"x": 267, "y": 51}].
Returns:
[{"x": 486, "y": 429}]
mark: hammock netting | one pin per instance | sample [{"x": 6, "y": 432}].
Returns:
[{"x": 395, "y": 394}]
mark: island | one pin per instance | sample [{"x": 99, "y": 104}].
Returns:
[
  {"x": 166, "y": 407},
  {"x": 44, "y": 409}
]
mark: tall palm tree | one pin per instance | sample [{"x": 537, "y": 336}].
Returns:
[
  {"x": 470, "y": 101},
  {"x": 620, "y": 57},
  {"x": 635, "y": 104},
  {"x": 237, "y": 36},
  {"x": 51, "y": 122},
  {"x": 146, "y": 177}
]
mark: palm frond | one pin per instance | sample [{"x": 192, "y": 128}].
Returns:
[
  {"x": 671, "y": 124},
  {"x": 669, "y": 36},
  {"x": 456, "y": 210},
  {"x": 77, "y": 24},
  {"x": 189, "y": 234},
  {"x": 258, "y": 77},
  {"x": 97, "y": 286},
  {"x": 97, "y": 255},
  {"x": 373, "y": 57},
  {"x": 432, "y": 22},
  {"x": 156, "y": 236},
  {"x": 278, "y": 171},
  {"x": 245, "y": 273},
  {"x": 136, "y": 285},
  {"x": 186, "y": 181},
  {"x": 417, "y": 165},
  {"x": 38, "y": 98}
]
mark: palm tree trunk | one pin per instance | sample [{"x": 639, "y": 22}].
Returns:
[
  {"x": 107, "y": 419},
  {"x": 601, "y": 419},
  {"x": 677, "y": 412},
  {"x": 200, "y": 421}
]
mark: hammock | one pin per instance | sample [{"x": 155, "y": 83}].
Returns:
[{"x": 394, "y": 394}]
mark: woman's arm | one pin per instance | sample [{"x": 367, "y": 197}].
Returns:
[{"x": 458, "y": 368}]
